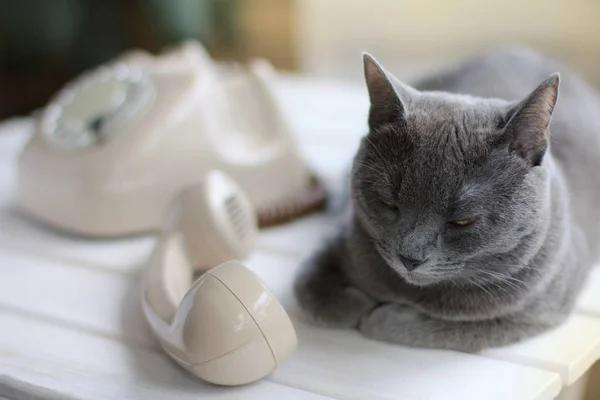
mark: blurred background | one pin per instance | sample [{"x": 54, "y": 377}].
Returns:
[{"x": 44, "y": 43}]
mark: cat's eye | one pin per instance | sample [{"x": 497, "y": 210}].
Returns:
[
  {"x": 387, "y": 204},
  {"x": 463, "y": 222}
]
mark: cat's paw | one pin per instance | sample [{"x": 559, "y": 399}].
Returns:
[
  {"x": 390, "y": 322},
  {"x": 342, "y": 308}
]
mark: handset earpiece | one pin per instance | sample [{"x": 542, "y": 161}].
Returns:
[
  {"x": 226, "y": 327},
  {"x": 215, "y": 219}
]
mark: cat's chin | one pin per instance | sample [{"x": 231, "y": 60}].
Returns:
[
  {"x": 420, "y": 279},
  {"x": 416, "y": 278}
]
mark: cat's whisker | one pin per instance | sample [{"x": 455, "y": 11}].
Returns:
[
  {"x": 480, "y": 285},
  {"x": 369, "y": 167},
  {"x": 496, "y": 284},
  {"x": 383, "y": 160},
  {"x": 444, "y": 270},
  {"x": 486, "y": 291},
  {"x": 528, "y": 267},
  {"x": 460, "y": 287},
  {"x": 504, "y": 265},
  {"x": 521, "y": 266},
  {"x": 504, "y": 279},
  {"x": 509, "y": 277},
  {"x": 508, "y": 265}
]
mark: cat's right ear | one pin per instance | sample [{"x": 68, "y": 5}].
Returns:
[
  {"x": 388, "y": 103},
  {"x": 527, "y": 128}
]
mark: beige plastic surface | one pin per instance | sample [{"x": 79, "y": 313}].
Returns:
[
  {"x": 193, "y": 117},
  {"x": 226, "y": 327},
  {"x": 168, "y": 277},
  {"x": 249, "y": 363},
  {"x": 216, "y": 221},
  {"x": 264, "y": 307}
]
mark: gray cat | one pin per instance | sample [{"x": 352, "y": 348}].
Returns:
[{"x": 475, "y": 207}]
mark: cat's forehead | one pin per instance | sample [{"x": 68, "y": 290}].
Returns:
[
  {"x": 449, "y": 130},
  {"x": 442, "y": 144},
  {"x": 442, "y": 129},
  {"x": 473, "y": 115}
]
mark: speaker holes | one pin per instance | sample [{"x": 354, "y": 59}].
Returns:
[{"x": 236, "y": 216}]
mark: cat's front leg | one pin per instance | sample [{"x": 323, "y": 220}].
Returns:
[
  {"x": 324, "y": 294},
  {"x": 404, "y": 325}
]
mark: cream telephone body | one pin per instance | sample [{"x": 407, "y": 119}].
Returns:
[{"x": 115, "y": 146}]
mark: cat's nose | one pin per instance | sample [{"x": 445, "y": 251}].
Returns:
[{"x": 410, "y": 263}]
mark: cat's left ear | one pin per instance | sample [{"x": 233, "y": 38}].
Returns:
[{"x": 527, "y": 128}]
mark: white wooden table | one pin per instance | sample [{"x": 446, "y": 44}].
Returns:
[{"x": 71, "y": 324}]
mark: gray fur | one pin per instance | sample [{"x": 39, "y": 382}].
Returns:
[{"x": 471, "y": 142}]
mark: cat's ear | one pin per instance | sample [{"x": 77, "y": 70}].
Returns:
[
  {"x": 389, "y": 98},
  {"x": 527, "y": 128}
]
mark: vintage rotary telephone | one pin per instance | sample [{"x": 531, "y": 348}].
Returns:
[{"x": 114, "y": 147}]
